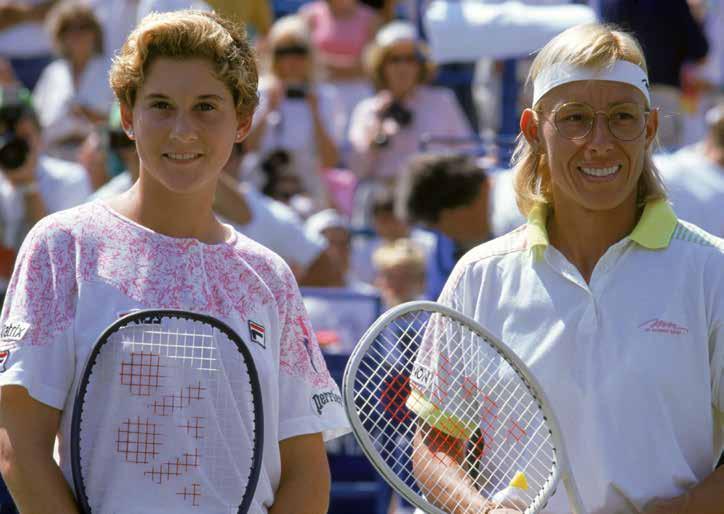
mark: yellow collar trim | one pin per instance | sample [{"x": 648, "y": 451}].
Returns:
[{"x": 653, "y": 230}]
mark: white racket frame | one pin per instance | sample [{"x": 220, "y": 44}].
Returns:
[{"x": 562, "y": 470}]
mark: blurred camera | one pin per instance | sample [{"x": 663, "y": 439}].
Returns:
[
  {"x": 14, "y": 149},
  {"x": 296, "y": 92},
  {"x": 397, "y": 112}
]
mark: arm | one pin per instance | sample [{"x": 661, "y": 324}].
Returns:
[
  {"x": 271, "y": 101},
  {"x": 305, "y": 481},
  {"x": 326, "y": 148},
  {"x": 322, "y": 272},
  {"x": 706, "y": 497},
  {"x": 27, "y": 435}
]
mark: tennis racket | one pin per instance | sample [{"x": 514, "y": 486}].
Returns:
[
  {"x": 423, "y": 365},
  {"x": 169, "y": 406}
]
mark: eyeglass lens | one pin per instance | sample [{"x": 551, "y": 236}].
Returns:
[{"x": 626, "y": 121}]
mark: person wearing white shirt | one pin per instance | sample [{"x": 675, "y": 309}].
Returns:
[
  {"x": 296, "y": 113},
  {"x": 159, "y": 245},
  {"x": 615, "y": 305},
  {"x": 32, "y": 184},
  {"x": 694, "y": 176},
  {"x": 72, "y": 93}
]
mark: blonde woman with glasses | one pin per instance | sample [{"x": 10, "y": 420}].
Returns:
[{"x": 615, "y": 304}]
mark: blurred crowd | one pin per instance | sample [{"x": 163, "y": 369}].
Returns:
[{"x": 370, "y": 168}]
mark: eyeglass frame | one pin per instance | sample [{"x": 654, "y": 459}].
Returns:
[{"x": 595, "y": 120}]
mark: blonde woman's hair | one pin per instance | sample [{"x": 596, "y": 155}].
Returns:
[
  {"x": 291, "y": 29},
  {"x": 401, "y": 251},
  {"x": 592, "y": 45},
  {"x": 72, "y": 12},
  {"x": 188, "y": 34},
  {"x": 376, "y": 57}
]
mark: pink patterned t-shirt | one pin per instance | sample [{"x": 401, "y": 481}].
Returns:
[{"x": 80, "y": 269}]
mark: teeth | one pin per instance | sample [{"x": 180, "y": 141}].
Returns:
[
  {"x": 182, "y": 156},
  {"x": 600, "y": 172}
]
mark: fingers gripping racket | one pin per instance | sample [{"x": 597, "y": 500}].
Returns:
[
  {"x": 167, "y": 417},
  {"x": 422, "y": 365}
]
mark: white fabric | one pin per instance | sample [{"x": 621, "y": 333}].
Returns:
[
  {"x": 496, "y": 30},
  {"x": 118, "y": 18},
  {"x": 80, "y": 269},
  {"x": 62, "y": 185},
  {"x": 292, "y": 128},
  {"x": 695, "y": 186},
  {"x": 55, "y": 94},
  {"x": 632, "y": 362},
  {"x": 394, "y": 32},
  {"x": 277, "y": 227},
  {"x": 504, "y": 213},
  {"x": 117, "y": 185},
  {"x": 25, "y": 40},
  {"x": 562, "y": 73}
]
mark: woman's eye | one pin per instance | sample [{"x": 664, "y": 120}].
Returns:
[
  {"x": 160, "y": 105},
  {"x": 206, "y": 107}
]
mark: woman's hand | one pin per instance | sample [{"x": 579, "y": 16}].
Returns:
[{"x": 676, "y": 505}]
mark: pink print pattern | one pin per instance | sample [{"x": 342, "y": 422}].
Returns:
[{"x": 92, "y": 243}]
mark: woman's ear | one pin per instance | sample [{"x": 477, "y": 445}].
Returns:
[
  {"x": 243, "y": 128},
  {"x": 529, "y": 128},
  {"x": 127, "y": 120},
  {"x": 652, "y": 126}
]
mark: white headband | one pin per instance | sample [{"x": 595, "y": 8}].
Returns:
[{"x": 563, "y": 73}]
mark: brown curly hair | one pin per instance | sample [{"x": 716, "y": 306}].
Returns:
[{"x": 188, "y": 34}]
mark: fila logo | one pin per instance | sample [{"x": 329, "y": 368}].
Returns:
[
  {"x": 256, "y": 333},
  {"x": 4, "y": 356},
  {"x": 14, "y": 330}
]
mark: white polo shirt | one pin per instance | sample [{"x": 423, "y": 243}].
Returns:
[
  {"x": 632, "y": 362},
  {"x": 80, "y": 269}
]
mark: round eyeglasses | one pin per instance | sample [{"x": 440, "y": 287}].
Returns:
[{"x": 626, "y": 121}]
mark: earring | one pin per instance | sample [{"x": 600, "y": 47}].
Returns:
[{"x": 130, "y": 133}]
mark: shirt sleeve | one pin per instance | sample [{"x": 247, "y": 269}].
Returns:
[
  {"x": 36, "y": 344},
  {"x": 310, "y": 401}
]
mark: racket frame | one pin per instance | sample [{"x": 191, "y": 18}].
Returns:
[
  {"x": 561, "y": 471},
  {"x": 153, "y": 316}
]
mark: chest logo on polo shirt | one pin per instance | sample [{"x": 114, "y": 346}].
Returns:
[
  {"x": 663, "y": 327},
  {"x": 4, "y": 356},
  {"x": 14, "y": 330},
  {"x": 257, "y": 333}
]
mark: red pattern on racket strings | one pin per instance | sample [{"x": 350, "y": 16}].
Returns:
[
  {"x": 172, "y": 469},
  {"x": 169, "y": 403},
  {"x": 194, "y": 494},
  {"x": 142, "y": 374},
  {"x": 394, "y": 397},
  {"x": 195, "y": 429},
  {"x": 138, "y": 440}
]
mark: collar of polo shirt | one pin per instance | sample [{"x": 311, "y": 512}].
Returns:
[{"x": 653, "y": 230}]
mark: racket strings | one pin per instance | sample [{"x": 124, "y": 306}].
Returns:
[
  {"x": 472, "y": 390},
  {"x": 182, "y": 417}
]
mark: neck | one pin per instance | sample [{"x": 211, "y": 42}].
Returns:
[
  {"x": 583, "y": 236},
  {"x": 78, "y": 65},
  {"x": 149, "y": 204}
]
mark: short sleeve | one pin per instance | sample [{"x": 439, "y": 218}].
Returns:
[
  {"x": 36, "y": 344},
  {"x": 310, "y": 401}
]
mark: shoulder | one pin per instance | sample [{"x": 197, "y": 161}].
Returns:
[
  {"x": 696, "y": 239},
  {"x": 58, "y": 234},
  {"x": 507, "y": 250}
]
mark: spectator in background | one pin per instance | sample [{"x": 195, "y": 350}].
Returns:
[
  {"x": 32, "y": 184},
  {"x": 341, "y": 29},
  {"x": 275, "y": 226},
  {"x": 23, "y": 40},
  {"x": 385, "y": 130},
  {"x": 449, "y": 194},
  {"x": 296, "y": 113},
  {"x": 387, "y": 228},
  {"x": 670, "y": 37},
  {"x": 400, "y": 271},
  {"x": 694, "y": 177},
  {"x": 255, "y": 14},
  {"x": 72, "y": 94}
]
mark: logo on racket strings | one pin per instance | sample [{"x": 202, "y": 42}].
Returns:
[
  {"x": 14, "y": 330},
  {"x": 256, "y": 333},
  {"x": 321, "y": 400}
]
